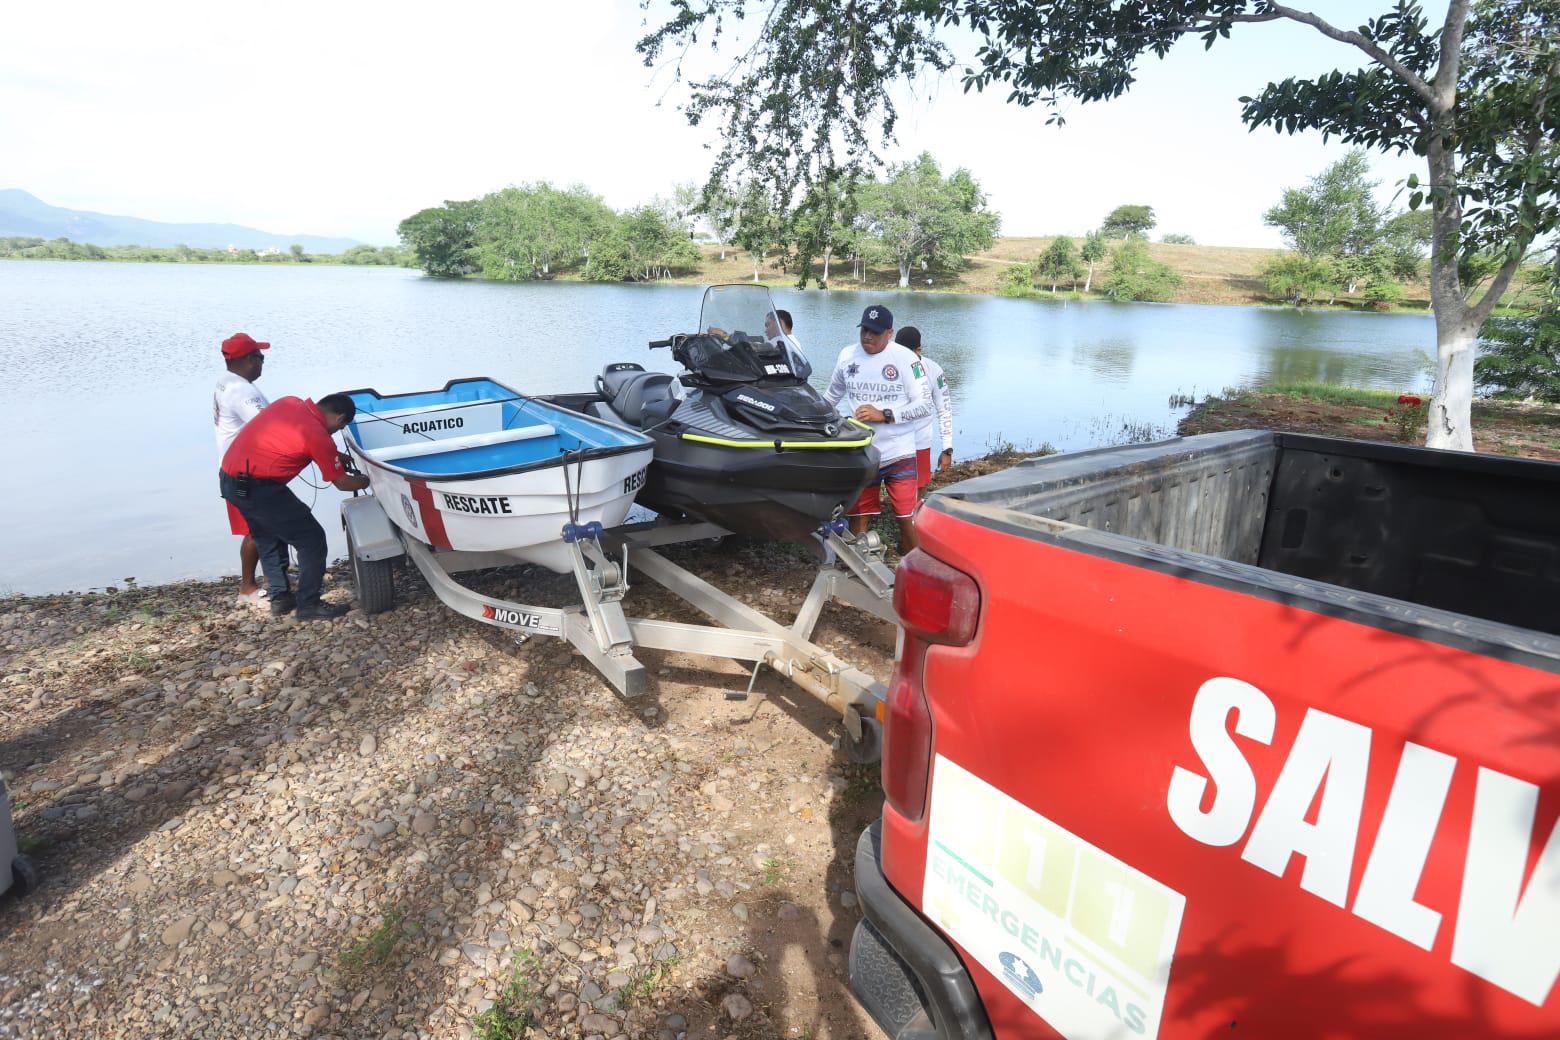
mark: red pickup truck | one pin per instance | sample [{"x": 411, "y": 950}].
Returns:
[{"x": 1243, "y": 734}]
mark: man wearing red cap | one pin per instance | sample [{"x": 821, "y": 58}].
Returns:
[{"x": 234, "y": 402}]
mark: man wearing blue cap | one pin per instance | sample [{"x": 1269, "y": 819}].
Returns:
[{"x": 888, "y": 386}]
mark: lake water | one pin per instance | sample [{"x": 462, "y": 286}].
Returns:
[{"x": 106, "y": 373}]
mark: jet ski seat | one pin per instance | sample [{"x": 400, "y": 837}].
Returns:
[{"x": 637, "y": 396}]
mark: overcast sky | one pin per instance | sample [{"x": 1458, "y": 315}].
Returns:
[{"x": 343, "y": 117}]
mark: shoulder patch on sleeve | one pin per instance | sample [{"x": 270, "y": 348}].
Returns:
[
  {"x": 917, "y": 371},
  {"x": 942, "y": 380}
]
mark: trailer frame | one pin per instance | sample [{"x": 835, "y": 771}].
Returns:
[{"x": 852, "y": 571}]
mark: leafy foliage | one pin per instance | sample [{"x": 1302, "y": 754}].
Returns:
[
  {"x": 1300, "y": 279},
  {"x": 1128, "y": 220},
  {"x": 1335, "y": 214},
  {"x": 1133, "y": 275},
  {"x": 443, "y": 238},
  {"x": 1520, "y": 355},
  {"x": 1059, "y": 262},
  {"x": 1176, "y": 238},
  {"x": 918, "y": 217}
]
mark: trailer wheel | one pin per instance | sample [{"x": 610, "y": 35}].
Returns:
[
  {"x": 24, "y": 876},
  {"x": 869, "y": 748},
  {"x": 375, "y": 580}
]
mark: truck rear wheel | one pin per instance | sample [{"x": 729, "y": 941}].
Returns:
[
  {"x": 375, "y": 581},
  {"x": 24, "y": 876}
]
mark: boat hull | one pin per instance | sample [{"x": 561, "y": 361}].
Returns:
[
  {"x": 755, "y": 492},
  {"x": 476, "y": 467},
  {"x": 518, "y": 515}
]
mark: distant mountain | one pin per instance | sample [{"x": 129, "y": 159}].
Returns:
[{"x": 25, "y": 214}]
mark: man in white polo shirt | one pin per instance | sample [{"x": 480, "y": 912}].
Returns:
[
  {"x": 888, "y": 386},
  {"x": 234, "y": 402},
  {"x": 942, "y": 401}
]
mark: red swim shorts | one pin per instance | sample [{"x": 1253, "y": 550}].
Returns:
[
  {"x": 900, "y": 477},
  {"x": 923, "y": 467},
  {"x": 236, "y": 520}
]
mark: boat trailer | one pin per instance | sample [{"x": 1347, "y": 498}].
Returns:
[{"x": 852, "y": 571}]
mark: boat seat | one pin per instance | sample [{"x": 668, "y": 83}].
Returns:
[
  {"x": 642, "y": 398},
  {"x": 471, "y": 440}
]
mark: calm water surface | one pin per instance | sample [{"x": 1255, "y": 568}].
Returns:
[{"x": 108, "y": 368}]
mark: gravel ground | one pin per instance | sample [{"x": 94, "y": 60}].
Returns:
[{"x": 409, "y": 826}]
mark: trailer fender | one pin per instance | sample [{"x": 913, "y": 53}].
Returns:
[{"x": 373, "y": 536}]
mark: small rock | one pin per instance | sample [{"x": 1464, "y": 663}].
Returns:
[
  {"x": 739, "y": 967},
  {"x": 306, "y": 962},
  {"x": 599, "y": 1023},
  {"x": 178, "y": 931},
  {"x": 315, "y": 1015},
  {"x": 736, "y": 1006},
  {"x": 139, "y": 885},
  {"x": 423, "y": 823},
  {"x": 468, "y": 827},
  {"x": 790, "y": 911},
  {"x": 224, "y": 878},
  {"x": 369, "y": 745}
]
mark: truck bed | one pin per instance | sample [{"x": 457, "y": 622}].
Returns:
[{"x": 1458, "y": 548}]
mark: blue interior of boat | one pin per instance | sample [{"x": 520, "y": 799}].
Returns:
[{"x": 524, "y": 418}]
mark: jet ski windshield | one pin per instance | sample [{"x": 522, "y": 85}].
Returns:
[{"x": 745, "y": 315}]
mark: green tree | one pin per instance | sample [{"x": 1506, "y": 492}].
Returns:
[
  {"x": 443, "y": 238},
  {"x": 918, "y": 217},
  {"x": 1477, "y": 96},
  {"x": 1300, "y": 279},
  {"x": 1018, "y": 279},
  {"x": 644, "y": 244},
  {"x": 1335, "y": 214},
  {"x": 1058, "y": 262},
  {"x": 1128, "y": 220},
  {"x": 1175, "y": 238},
  {"x": 824, "y": 221},
  {"x": 1520, "y": 355},
  {"x": 1405, "y": 239},
  {"x": 1095, "y": 248},
  {"x": 760, "y": 224},
  {"x": 297, "y": 252},
  {"x": 1133, "y": 275}
]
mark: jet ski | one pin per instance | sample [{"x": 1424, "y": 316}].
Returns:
[{"x": 741, "y": 439}]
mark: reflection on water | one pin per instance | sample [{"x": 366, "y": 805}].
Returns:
[{"x": 108, "y": 368}]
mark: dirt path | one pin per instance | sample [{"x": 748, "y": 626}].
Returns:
[{"x": 408, "y": 826}]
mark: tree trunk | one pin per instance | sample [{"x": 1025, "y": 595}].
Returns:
[
  {"x": 1089, "y": 280},
  {"x": 758, "y": 258},
  {"x": 723, "y": 252},
  {"x": 1451, "y": 400},
  {"x": 823, "y": 283},
  {"x": 904, "y": 274},
  {"x": 546, "y": 267},
  {"x": 1053, "y": 288}
]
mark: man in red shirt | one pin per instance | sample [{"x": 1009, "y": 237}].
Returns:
[{"x": 269, "y": 451}]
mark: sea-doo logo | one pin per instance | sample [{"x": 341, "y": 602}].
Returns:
[
  {"x": 890, "y": 371},
  {"x": 635, "y": 482},
  {"x": 505, "y": 616},
  {"x": 755, "y": 402},
  {"x": 429, "y": 425},
  {"x": 480, "y": 505}
]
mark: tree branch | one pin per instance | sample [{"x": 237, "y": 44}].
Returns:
[
  {"x": 1451, "y": 53},
  {"x": 1370, "y": 47}
]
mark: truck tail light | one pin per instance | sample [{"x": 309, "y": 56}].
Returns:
[
  {"x": 934, "y": 601},
  {"x": 935, "y": 604},
  {"x": 907, "y": 733}
]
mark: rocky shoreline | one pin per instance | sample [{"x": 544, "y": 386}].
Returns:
[{"x": 408, "y": 826}]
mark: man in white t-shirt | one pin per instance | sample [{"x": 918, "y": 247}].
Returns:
[
  {"x": 234, "y": 402},
  {"x": 942, "y": 401},
  {"x": 888, "y": 386}
]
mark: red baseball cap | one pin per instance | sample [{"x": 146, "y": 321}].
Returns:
[{"x": 241, "y": 343}]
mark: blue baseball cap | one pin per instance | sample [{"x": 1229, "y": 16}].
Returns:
[{"x": 876, "y": 319}]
